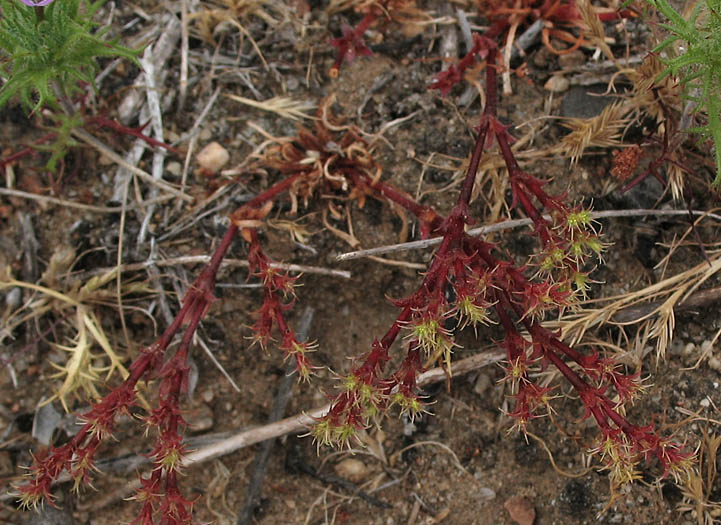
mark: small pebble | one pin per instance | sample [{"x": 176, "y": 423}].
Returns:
[
  {"x": 714, "y": 364},
  {"x": 352, "y": 469},
  {"x": 520, "y": 510},
  {"x": 688, "y": 349},
  {"x": 292, "y": 83},
  {"x": 557, "y": 84},
  {"x": 207, "y": 395},
  {"x": 485, "y": 494},
  {"x": 543, "y": 58},
  {"x": 575, "y": 59},
  {"x": 13, "y": 297},
  {"x": 174, "y": 168},
  {"x": 212, "y": 158},
  {"x": 105, "y": 161}
]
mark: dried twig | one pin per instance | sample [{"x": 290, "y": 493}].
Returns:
[
  {"x": 156, "y": 120},
  {"x": 109, "y": 153},
  {"x": 78, "y": 205},
  {"x": 510, "y": 224},
  {"x": 203, "y": 259},
  {"x": 184, "y": 39}
]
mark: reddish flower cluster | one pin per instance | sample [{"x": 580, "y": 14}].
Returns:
[
  {"x": 483, "y": 283},
  {"x": 352, "y": 44},
  {"x": 159, "y": 493},
  {"x": 278, "y": 296}
]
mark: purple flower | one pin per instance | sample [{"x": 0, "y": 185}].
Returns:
[{"x": 36, "y": 3}]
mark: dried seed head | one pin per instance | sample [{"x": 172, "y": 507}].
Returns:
[{"x": 625, "y": 162}]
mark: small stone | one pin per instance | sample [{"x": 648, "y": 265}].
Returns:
[
  {"x": 205, "y": 134},
  {"x": 707, "y": 347},
  {"x": 352, "y": 469},
  {"x": 705, "y": 402},
  {"x": 543, "y": 58},
  {"x": 485, "y": 494},
  {"x": 207, "y": 395},
  {"x": 557, "y": 84},
  {"x": 212, "y": 158},
  {"x": 520, "y": 510},
  {"x": 174, "y": 168},
  {"x": 13, "y": 298},
  {"x": 292, "y": 83},
  {"x": 714, "y": 364}
]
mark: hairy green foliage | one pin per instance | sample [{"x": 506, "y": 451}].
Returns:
[
  {"x": 62, "y": 126},
  {"x": 697, "y": 63},
  {"x": 50, "y": 49}
]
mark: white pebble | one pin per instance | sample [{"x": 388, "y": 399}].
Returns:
[
  {"x": 212, "y": 158},
  {"x": 352, "y": 469},
  {"x": 556, "y": 84},
  {"x": 174, "y": 168}
]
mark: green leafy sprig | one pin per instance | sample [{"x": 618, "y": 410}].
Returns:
[
  {"x": 697, "y": 64},
  {"x": 47, "y": 52}
]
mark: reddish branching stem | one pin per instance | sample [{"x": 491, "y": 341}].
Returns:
[
  {"x": 481, "y": 281},
  {"x": 482, "y": 284},
  {"x": 159, "y": 493},
  {"x": 117, "y": 127}
]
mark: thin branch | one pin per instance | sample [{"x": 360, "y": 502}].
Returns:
[
  {"x": 184, "y": 46},
  {"x": 203, "y": 259},
  {"x": 510, "y": 224},
  {"x": 77, "y": 205},
  {"x": 109, "y": 153}
]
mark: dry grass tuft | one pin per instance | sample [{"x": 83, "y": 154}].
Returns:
[
  {"x": 651, "y": 309},
  {"x": 698, "y": 486},
  {"x": 80, "y": 304},
  {"x": 603, "y": 131},
  {"x": 286, "y": 107}
]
